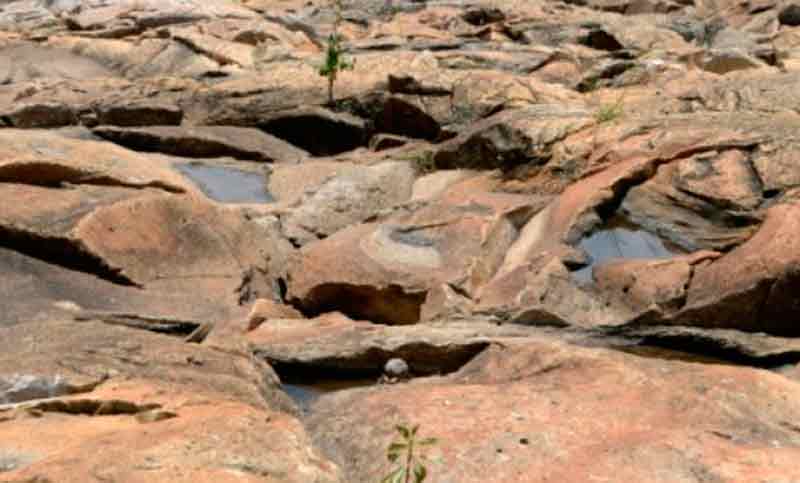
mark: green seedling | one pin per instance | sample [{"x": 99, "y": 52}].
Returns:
[
  {"x": 335, "y": 62},
  {"x": 406, "y": 454},
  {"x": 335, "y": 59}
]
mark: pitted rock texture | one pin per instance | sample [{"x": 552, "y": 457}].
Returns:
[{"x": 201, "y": 245}]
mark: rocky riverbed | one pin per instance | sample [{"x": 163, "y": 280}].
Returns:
[{"x": 576, "y": 222}]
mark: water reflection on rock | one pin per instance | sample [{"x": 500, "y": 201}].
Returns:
[
  {"x": 228, "y": 185},
  {"x": 619, "y": 238}
]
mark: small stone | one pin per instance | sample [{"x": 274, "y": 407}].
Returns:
[{"x": 396, "y": 368}]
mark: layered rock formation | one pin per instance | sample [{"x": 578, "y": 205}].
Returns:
[{"x": 576, "y": 224}]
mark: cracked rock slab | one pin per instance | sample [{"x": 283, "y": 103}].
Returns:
[{"x": 167, "y": 411}]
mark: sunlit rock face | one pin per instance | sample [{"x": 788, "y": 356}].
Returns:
[{"x": 559, "y": 237}]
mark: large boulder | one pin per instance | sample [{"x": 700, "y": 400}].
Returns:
[
  {"x": 510, "y": 139},
  {"x": 384, "y": 270},
  {"x": 347, "y": 198}
]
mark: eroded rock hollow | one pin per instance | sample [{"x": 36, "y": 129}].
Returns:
[{"x": 245, "y": 240}]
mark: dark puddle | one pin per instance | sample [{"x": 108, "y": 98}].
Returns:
[
  {"x": 228, "y": 185},
  {"x": 305, "y": 393},
  {"x": 619, "y": 238}
]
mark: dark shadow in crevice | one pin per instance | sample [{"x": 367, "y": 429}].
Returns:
[
  {"x": 318, "y": 134},
  {"x": 69, "y": 254},
  {"x": 54, "y": 175},
  {"x": 304, "y": 381},
  {"x": 391, "y": 305},
  {"x": 698, "y": 347},
  {"x": 158, "y": 325}
]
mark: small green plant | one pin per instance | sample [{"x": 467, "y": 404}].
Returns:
[
  {"x": 405, "y": 451},
  {"x": 335, "y": 58},
  {"x": 610, "y": 112},
  {"x": 423, "y": 162}
]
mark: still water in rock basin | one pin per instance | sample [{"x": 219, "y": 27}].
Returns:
[
  {"x": 619, "y": 238},
  {"x": 304, "y": 394},
  {"x": 228, "y": 185}
]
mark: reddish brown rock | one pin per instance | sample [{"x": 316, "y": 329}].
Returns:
[
  {"x": 264, "y": 309},
  {"x": 186, "y": 241},
  {"x": 34, "y": 290},
  {"x": 539, "y": 411},
  {"x": 174, "y": 411},
  {"x": 510, "y": 138},
  {"x": 659, "y": 285},
  {"x": 38, "y": 157},
  {"x": 382, "y": 271},
  {"x": 332, "y": 346},
  {"x": 751, "y": 288},
  {"x": 543, "y": 292},
  {"x": 204, "y": 142}
]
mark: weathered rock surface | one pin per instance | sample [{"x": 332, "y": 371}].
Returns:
[
  {"x": 37, "y": 157},
  {"x": 385, "y": 271},
  {"x": 348, "y": 198},
  {"x": 174, "y": 411},
  {"x": 521, "y": 410},
  {"x": 335, "y": 345},
  {"x": 750, "y": 288},
  {"x": 510, "y": 139},
  {"x": 35, "y": 290},
  {"x": 204, "y": 142},
  {"x": 493, "y": 188}
]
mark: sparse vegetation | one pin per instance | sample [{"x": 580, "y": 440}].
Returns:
[
  {"x": 423, "y": 161},
  {"x": 406, "y": 453},
  {"x": 335, "y": 58},
  {"x": 610, "y": 112}
]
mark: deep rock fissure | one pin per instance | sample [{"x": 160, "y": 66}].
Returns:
[
  {"x": 710, "y": 351},
  {"x": 69, "y": 254},
  {"x": 159, "y": 325},
  {"x": 365, "y": 368},
  {"x": 87, "y": 407},
  {"x": 189, "y": 147},
  {"x": 54, "y": 175},
  {"x": 652, "y": 342},
  {"x": 424, "y": 359},
  {"x": 316, "y": 134}
]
